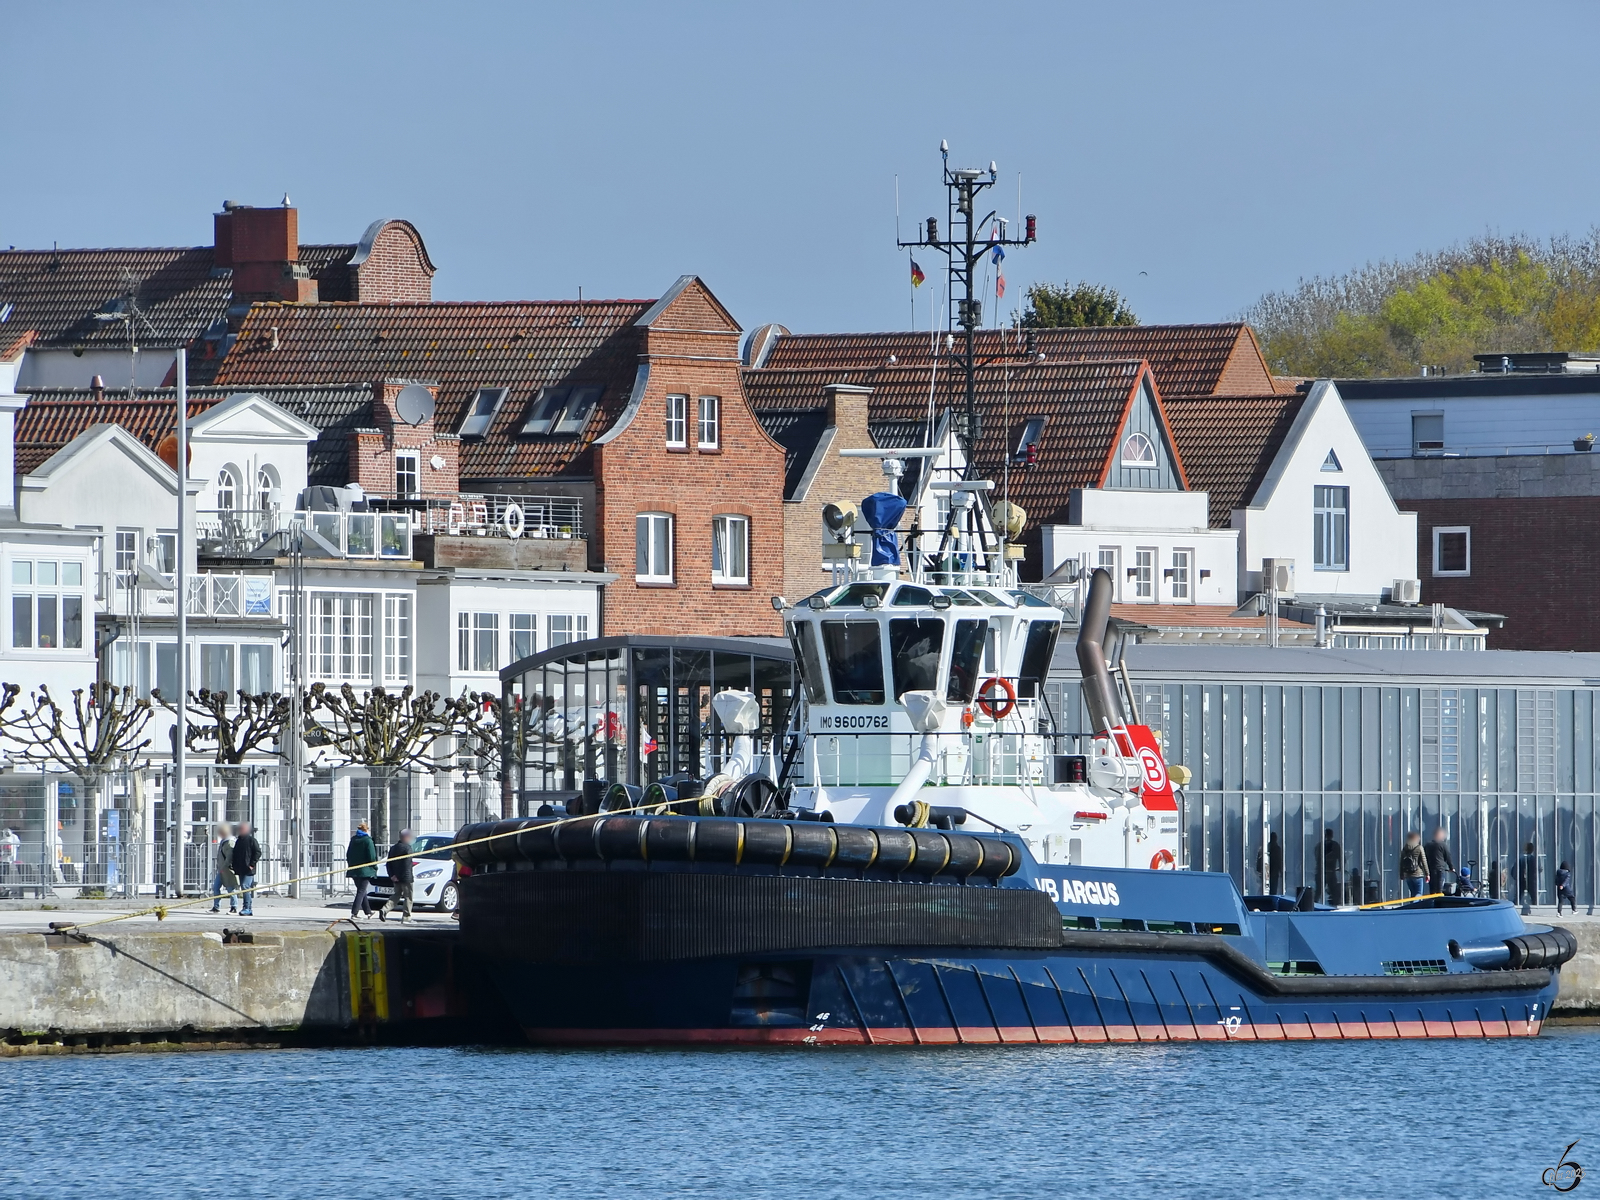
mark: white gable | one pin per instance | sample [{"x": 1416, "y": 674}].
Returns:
[{"x": 248, "y": 418}]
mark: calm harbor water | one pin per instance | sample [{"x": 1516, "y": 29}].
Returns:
[{"x": 1417, "y": 1119}]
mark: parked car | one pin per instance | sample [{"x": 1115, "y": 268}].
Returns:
[{"x": 435, "y": 878}]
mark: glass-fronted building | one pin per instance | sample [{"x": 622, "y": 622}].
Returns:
[
  {"x": 1327, "y": 758},
  {"x": 636, "y": 709}
]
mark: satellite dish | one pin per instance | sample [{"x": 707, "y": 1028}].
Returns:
[{"x": 414, "y": 404}]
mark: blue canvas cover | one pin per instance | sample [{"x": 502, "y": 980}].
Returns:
[{"x": 883, "y": 512}]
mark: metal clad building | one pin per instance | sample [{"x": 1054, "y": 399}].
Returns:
[{"x": 1500, "y": 748}]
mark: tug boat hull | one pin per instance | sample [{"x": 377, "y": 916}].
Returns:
[{"x": 592, "y": 941}]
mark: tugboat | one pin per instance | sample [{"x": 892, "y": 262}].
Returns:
[{"x": 911, "y": 876}]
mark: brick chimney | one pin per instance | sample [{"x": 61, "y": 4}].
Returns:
[
  {"x": 262, "y": 245},
  {"x": 437, "y": 456}
]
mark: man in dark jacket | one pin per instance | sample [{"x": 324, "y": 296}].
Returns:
[
  {"x": 1528, "y": 879},
  {"x": 361, "y": 856},
  {"x": 400, "y": 875},
  {"x": 1440, "y": 864},
  {"x": 246, "y": 854},
  {"x": 1330, "y": 870},
  {"x": 1564, "y": 889}
]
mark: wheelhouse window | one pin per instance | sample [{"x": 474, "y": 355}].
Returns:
[
  {"x": 1037, "y": 652},
  {"x": 966, "y": 654},
  {"x": 708, "y": 422},
  {"x": 804, "y": 642},
  {"x": 730, "y": 549},
  {"x": 1138, "y": 451},
  {"x": 1452, "y": 550},
  {"x": 914, "y": 646},
  {"x": 677, "y": 420},
  {"x": 481, "y": 410},
  {"x": 855, "y": 661},
  {"x": 1331, "y": 529},
  {"x": 653, "y": 548},
  {"x": 407, "y": 474}
]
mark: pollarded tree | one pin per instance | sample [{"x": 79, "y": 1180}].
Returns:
[
  {"x": 102, "y": 730},
  {"x": 386, "y": 732},
  {"x": 230, "y": 728}
]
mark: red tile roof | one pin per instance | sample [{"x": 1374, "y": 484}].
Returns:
[
  {"x": 1084, "y": 404},
  {"x": 1188, "y": 360},
  {"x": 1228, "y": 444},
  {"x": 178, "y": 289},
  {"x": 521, "y": 345}
]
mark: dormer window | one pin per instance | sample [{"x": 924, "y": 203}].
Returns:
[
  {"x": 561, "y": 410},
  {"x": 1138, "y": 451},
  {"x": 480, "y": 412}
]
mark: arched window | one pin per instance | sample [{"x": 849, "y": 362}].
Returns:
[
  {"x": 1138, "y": 451},
  {"x": 227, "y": 489},
  {"x": 266, "y": 485}
]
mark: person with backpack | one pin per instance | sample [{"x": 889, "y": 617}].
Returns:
[
  {"x": 246, "y": 854},
  {"x": 1413, "y": 865},
  {"x": 362, "y": 858},
  {"x": 401, "y": 868},
  {"x": 222, "y": 878},
  {"x": 1564, "y": 889}
]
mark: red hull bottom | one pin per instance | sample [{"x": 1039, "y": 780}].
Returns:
[{"x": 1280, "y": 1031}]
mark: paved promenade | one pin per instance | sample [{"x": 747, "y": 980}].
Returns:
[{"x": 272, "y": 912}]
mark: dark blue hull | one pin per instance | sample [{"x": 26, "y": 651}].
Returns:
[{"x": 892, "y": 998}]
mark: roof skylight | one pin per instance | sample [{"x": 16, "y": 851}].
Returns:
[{"x": 480, "y": 413}]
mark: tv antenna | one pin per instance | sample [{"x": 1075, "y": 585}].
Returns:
[
  {"x": 964, "y": 250},
  {"x": 126, "y": 309}
]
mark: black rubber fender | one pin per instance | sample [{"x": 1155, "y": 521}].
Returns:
[{"x": 1546, "y": 948}]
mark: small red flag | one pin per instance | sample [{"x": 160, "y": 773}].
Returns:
[{"x": 999, "y": 287}]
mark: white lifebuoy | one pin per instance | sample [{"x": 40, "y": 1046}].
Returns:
[
  {"x": 1162, "y": 860},
  {"x": 511, "y": 520}
]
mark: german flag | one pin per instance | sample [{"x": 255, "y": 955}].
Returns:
[{"x": 916, "y": 274}]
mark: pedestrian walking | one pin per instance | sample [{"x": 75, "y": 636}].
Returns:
[
  {"x": 1528, "y": 879},
  {"x": 362, "y": 858},
  {"x": 1330, "y": 870},
  {"x": 246, "y": 854},
  {"x": 401, "y": 868},
  {"x": 1564, "y": 889},
  {"x": 222, "y": 877},
  {"x": 1440, "y": 865},
  {"x": 1413, "y": 865},
  {"x": 10, "y": 847}
]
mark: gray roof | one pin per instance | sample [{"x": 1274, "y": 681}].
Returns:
[{"x": 1307, "y": 664}]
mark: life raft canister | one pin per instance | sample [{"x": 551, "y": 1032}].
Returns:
[{"x": 997, "y": 709}]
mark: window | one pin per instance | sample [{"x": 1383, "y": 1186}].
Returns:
[
  {"x": 1332, "y": 463},
  {"x": 397, "y": 639},
  {"x": 164, "y": 553},
  {"x": 730, "y": 549},
  {"x": 1182, "y": 565},
  {"x": 1027, "y": 450},
  {"x": 216, "y": 668},
  {"x": 340, "y": 636},
  {"x": 677, "y": 420},
  {"x": 579, "y": 407},
  {"x": 568, "y": 627},
  {"x": 965, "y": 651},
  {"x": 805, "y": 654},
  {"x": 1138, "y": 451},
  {"x": 1106, "y": 560},
  {"x": 524, "y": 636},
  {"x": 1452, "y": 550},
  {"x": 44, "y": 614},
  {"x": 653, "y": 551},
  {"x": 542, "y": 413},
  {"x": 1144, "y": 574},
  {"x": 1037, "y": 654},
  {"x": 481, "y": 410},
  {"x": 1330, "y": 532},
  {"x": 914, "y": 645},
  {"x": 709, "y": 411},
  {"x": 407, "y": 474},
  {"x": 266, "y": 489},
  {"x": 855, "y": 661},
  {"x": 255, "y": 670},
  {"x": 127, "y": 557},
  {"x": 478, "y": 641},
  {"x": 227, "y": 489},
  {"x": 1427, "y": 431}
]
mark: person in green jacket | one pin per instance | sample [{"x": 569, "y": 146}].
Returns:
[{"x": 362, "y": 857}]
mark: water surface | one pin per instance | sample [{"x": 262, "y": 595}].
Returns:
[{"x": 1412, "y": 1119}]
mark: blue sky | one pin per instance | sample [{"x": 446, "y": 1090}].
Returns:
[{"x": 1221, "y": 149}]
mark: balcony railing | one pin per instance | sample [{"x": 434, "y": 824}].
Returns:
[
  {"x": 490, "y": 514},
  {"x": 211, "y": 594}
]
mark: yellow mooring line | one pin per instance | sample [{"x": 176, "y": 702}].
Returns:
[
  {"x": 1405, "y": 900},
  {"x": 160, "y": 911}
]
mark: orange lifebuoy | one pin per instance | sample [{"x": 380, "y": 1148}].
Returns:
[
  {"x": 997, "y": 710},
  {"x": 1162, "y": 860}
]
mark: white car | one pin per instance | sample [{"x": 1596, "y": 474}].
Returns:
[{"x": 433, "y": 877}]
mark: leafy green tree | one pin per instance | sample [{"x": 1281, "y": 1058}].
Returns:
[
  {"x": 1075, "y": 306},
  {"x": 1492, "y": 295}
]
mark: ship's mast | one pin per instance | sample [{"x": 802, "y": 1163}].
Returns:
[{"x": 963, "y": 249}]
